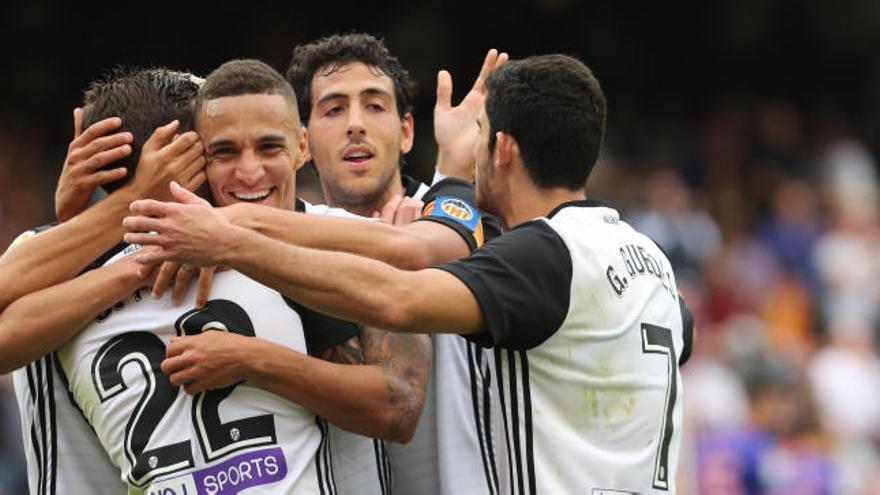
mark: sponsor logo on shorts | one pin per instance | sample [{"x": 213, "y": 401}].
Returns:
[{"x": 229, "y": 477}]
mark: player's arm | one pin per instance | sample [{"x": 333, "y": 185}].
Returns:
[
  {"x": 60, "y": 253},
  {"x": 413, "y": 246},
  {"x": 346, "y": 385},
  {"x": 40, "y": 322},
  {"x": 371, "y": 292}
]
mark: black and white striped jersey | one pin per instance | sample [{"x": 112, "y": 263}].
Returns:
[
  {"x": 53, "y": 428},
  {"x": 588, "y": 331},
  {"x": 103, "y": 394},
  {"x": 240, "y": 439},
  {"x": 63, "y": 454},
  {"x": 454, "y": 447}
]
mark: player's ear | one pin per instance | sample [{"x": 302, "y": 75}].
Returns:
[
  {"x": 303, "y": 149},
  {"x": 506, "y": 149},
  {"x": 407, "y": 133}
]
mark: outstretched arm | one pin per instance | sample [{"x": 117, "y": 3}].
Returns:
[
  {"x": 413, "y": 246},
  {"x": 39, "y": 323},
  {"x": 377, "y": 294},
  {"x": 346, "y": 386},
  {"x": 58, "y": 254}
]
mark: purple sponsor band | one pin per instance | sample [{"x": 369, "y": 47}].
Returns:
[{"x": 243, "y": 471}]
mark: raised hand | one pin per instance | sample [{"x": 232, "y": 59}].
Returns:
[
  {"x": 88, "y": 153},
  {"x": 455, "y": 127},
  {"x": 167, "y": 157}
]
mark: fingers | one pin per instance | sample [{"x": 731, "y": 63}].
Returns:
[
  {"x": 409, "y": 210},
  {"x": 161, "y": 136},
  {"x": 187, "y": 162},
  {"x": 149, "y": 208},
  {"x": 167, "y": 273},
  {"x": 184, "y": 196},
  {"x": 503, "y": 58},
  {"x": 197, "y": 181},
  {"x": 153, "y": 257},
  {"x": 492, "y": 61},
  {"x": 182, "y": 282},
  {"x": 444, "y": 89},
  {"x": 95, "y": 131},
  {"x": 186, "y": 146},
  {"x": 77, "y": 121},
  {"x": 486, "y": 69},
  {"x": 390, "y": 209},
  {"x": 105, "y": 176},
  {"x": 88, "y": 152},
  {"x": 142, "y": 224},
  {"x": 206, "y": 276},
  {"x": 147, "y": 239}
]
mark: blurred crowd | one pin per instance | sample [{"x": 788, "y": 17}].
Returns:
[{"x": 772, "y": 221}]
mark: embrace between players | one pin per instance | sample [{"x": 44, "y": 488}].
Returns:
[{"x": 302, "y": 357}]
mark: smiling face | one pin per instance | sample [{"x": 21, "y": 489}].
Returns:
[
  {"x": 254, "y": 145},
  {"x": 356, "y": 136}
]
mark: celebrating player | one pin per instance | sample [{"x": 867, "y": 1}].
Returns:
[{"x": 582, "y": 310}]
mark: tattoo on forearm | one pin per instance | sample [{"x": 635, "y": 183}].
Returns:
[
  {"x": 348, "y": 352},
  {"x": 405, "y": 360}
]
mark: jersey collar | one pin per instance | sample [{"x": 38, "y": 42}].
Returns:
[{"x": 582, "y": 203}]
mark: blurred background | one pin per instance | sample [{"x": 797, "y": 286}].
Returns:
[{"x": 742, "y": 136}]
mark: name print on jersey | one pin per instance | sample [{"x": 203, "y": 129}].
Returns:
[{"x": 638, "y": 262}]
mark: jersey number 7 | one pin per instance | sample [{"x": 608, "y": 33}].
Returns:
[{"x": 658, "y": 340}]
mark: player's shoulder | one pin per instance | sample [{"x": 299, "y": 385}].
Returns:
[
  {"x": 323, "y": 210},
  {"x": 28, "y": 234}
]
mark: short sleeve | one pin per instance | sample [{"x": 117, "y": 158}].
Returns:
[
  {"x": 522, "y": 283},
  {"x": 687, "y": 331},
  {"x": 452, "y": 202},
  {"x": 321, "y": 331}
]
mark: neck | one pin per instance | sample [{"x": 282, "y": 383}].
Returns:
[
  {"x": 366, "y": 209},
  {"x": 535, "y": 202}
]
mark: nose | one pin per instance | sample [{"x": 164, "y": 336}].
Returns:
[
  {"x": 249, "y": 169},
  {"x": 355, "y": 122}
]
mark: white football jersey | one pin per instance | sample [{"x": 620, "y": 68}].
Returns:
[
  {"x": 359, "y": 463},
  {"x": 454, "y": 448},
  {"x": 239, "y": 439},
  {"x": 62, "y": 453},
  {"x": 589, "y": 333}
]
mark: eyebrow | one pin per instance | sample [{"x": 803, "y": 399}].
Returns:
[
  {"x": 220, "y": 143},
  {"x": 270, "y": 138},
  {"x": 373, "y": 91}
]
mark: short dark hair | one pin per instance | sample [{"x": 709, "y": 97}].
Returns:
[
  {"x": 554, "y": 107},
  {"x": 332, "y": 52},
  {"x": 244, "y": 77},
  {"x": 144, "y": 99}
]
